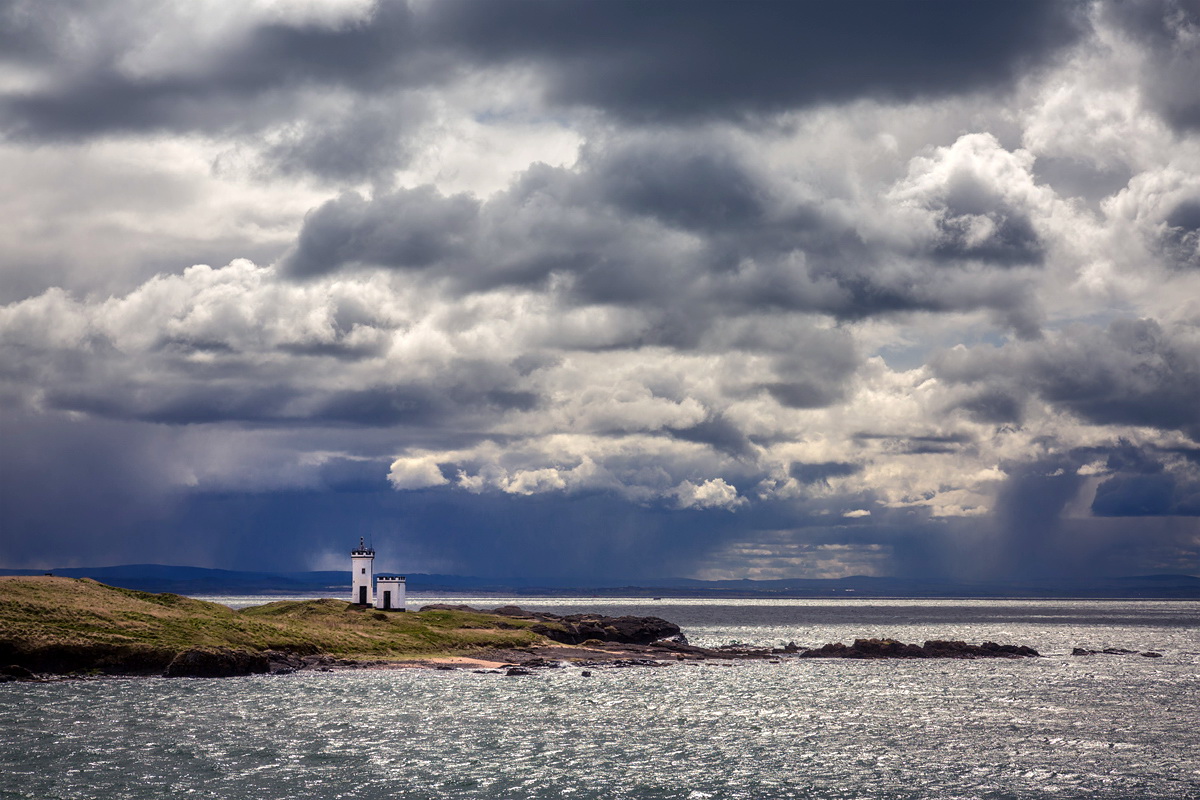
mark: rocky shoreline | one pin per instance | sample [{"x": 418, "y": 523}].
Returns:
[
  {"x": 64, "y": 629},
  {"x": 584, "y": 641}
]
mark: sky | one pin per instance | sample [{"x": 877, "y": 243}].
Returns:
[{"x": 602, "y": 289}]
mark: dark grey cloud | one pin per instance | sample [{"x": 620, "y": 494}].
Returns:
[
  {"x": 923, "y": 444},
  {"x": 466, "y": 390},
  {"x": 547, "y": 222},
  {"x": 996, "y": 406},
  {"x": 683, "y": 222},
  {"x": 1012, "y": 239},
  {"x": 1185, "y": 216},
  {"x": 665, "y": 61},
  {"x": 1181, "y": 239},
  {"x": 717, "y": 431},
  {"x": 408, "y": 229},
  {"x": 684, "y": 184},
  {"x": 822, "y": 472},
  {"x": 1134, "y": 372},
  {"x": 360, "y": 144},
  {"x": 387, "y": 406},
  {"x": 184, "y": 403},
  {"x": 1167, "y": 31},
  {"x": 355, "y": 475},
  {"x": 1136, "y": 496},
  {"x": 671, "y": 60},
  {"x": 343, "y": 98},
  {"x": 1145, "y": 482},
  {"x": 235, "y": 84},
  {"x": 803, "y": 394}
]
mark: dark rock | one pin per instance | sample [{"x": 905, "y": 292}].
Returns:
[
  {"x": 511, "y": 611},
  {"x": 890, "y": 648},
  {"x": 283, "y": 663},
  {"x": 319, "y": 660},
  {"x": 737, "y": 650},
  {"x": 1008, "y": 649},
  {"x": 218, "y": 662},
  {"x": 636, "y": 662},
  {"x": 587, "y": 673},
  {"x": 512, "y": 671},
  {"x": 17, "y": 672},
  {"x": 108, "y": 659},
  {"x": 1150, "y": 654},
  {"x": 579, "y": 628},
  {"x": 830, "y": 650},
  {"x": 541, "y": 663}
]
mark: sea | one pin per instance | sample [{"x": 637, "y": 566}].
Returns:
[{"x": 1058, "y": 726}]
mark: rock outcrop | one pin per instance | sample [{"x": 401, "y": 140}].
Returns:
[
  {"x": 580, "y": 628},
  {"x": 890, "y": 648},
  {"x": 1114, "y": 651},
  {"x": 219, "y": 662},
  {"x": 15, "y": 672}
]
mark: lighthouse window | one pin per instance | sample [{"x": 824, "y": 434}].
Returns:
[{"x": 364, "y": 570}]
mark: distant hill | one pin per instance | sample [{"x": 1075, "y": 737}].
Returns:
[{"x": 335, "y": 583}]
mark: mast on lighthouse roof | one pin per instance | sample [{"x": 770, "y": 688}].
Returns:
[{"x": 362, "y": 571}]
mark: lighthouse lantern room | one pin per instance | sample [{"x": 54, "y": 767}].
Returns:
[{"x": 362, "y": 567}]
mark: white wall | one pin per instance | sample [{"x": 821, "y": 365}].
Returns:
[
  {"x": 363, "y": 569},
  {"x": 397, "y": 588}
]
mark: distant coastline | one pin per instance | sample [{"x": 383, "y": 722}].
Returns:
[{"x": 204, "y": 581}]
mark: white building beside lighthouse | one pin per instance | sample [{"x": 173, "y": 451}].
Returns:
[
  {"x": 389, "y": 592},
  {"x": 385, "y": 592}
]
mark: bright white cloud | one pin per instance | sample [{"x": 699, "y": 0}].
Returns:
[
  {"x": 415, "y": 472},
  {"x": 713, "y": 493}
]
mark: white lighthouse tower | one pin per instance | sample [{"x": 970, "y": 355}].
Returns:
[{"x": 362, "y": 571}]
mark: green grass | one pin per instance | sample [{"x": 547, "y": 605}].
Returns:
[{"x": 49, "y": 620}]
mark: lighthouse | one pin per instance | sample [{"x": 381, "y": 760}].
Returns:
[{"x": 362, "y": 570}]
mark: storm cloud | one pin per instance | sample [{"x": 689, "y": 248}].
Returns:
[
  {"x": 603, "y": 289},
  {"x": 112, "y": 71}
]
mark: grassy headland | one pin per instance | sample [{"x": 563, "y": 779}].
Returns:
[{"x": 59, "y": 625}]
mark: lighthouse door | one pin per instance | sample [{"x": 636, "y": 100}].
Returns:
[
  {"x": 387, "y": 601},
  {"x": 362, "y": 595}
]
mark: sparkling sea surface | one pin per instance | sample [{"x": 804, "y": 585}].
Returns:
[{"x": 1059, "y": 726}]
